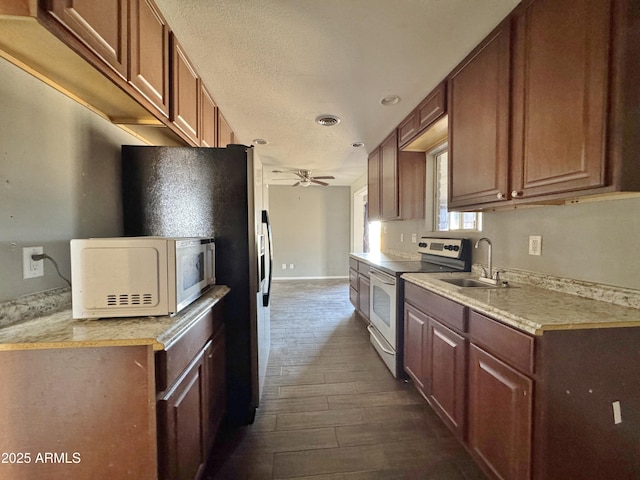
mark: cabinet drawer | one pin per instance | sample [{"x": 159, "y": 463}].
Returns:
[
  {"x": 353, "y": 278},
  {"x": 363, "y": 269},
  {"x": 177, "y": 356},
  {"x": 448, "y": 312},
  {"x": 353, "y": 263},
  {"x": 509, "y": 344}
]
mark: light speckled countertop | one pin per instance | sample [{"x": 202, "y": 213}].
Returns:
[
  {"x": 528, "y": 308},
  {"x": 60, "y": 329}
]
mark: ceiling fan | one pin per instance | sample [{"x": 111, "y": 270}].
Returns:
[{"x": 304, "y": 177}]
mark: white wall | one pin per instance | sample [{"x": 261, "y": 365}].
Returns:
[
  {"x": 593, "y": 241},
  {"x": 59, "y": 177},
  {"x": 311, "y": 229}
]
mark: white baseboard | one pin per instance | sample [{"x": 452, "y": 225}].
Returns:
[{"x": 280, "y": 279}]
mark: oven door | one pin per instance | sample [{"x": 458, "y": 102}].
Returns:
[{"x": 382, "y": 315}]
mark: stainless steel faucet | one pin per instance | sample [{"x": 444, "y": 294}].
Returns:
[{"x": 487, "y": 275}]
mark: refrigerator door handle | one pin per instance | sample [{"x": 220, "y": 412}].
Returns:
[{"x": 266, "y": 296}]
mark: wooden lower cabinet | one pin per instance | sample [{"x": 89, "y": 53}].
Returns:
[
  {"x": 415, "y": 333},
  {"x": 363, "y": 295},
  {"x": 359, "y": 284},
  {"x": 181, "y": 415},
  {"x": 500, "y": 416},
  {"x": 191, "y": 407},
  {"x": 446, "y": 367}
]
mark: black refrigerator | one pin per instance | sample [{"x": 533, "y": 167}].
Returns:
[{"x": 219, "y": 193}]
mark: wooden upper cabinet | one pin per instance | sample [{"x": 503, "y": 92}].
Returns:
[
  {"x": 100, "y": 26},
  {"x": 225, "y": 134},
  {"x": 561, "y": 73},
  {"x": 389, "y": 177},
  {"x": 433, "y": 107},
  {"x": 373, "y": 185},
  {"x": 209, "y": 120},
  {"x": 478, "y": 108},
  {"x": 149, "y": 54},
  {"x": 185, "y": 105}
]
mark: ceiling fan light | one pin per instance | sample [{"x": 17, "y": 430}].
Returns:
[{"x": 305, "y": 183}]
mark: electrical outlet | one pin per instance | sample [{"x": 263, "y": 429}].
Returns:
[
  {"x": 284, "y": 266},
  {"x": 414, "y": 237},
  {"x": 535, "y": 245},
  {"x": 402, "y": 237},
  {"x": 32, "y": 268},
  {"x": 291, "y": 266}
]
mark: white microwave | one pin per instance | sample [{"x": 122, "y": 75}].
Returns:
[{"x": 139, "y": 276}]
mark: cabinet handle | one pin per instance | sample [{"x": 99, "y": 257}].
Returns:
[
  {"x": 500, "y": 196},
  {"x": 515, "y": 194}
]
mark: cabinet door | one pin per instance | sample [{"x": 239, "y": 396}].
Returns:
[
  {"x": 209, "y": 121},
  {"x": 373, "y": 185},
  {"x": 225, "y": 134},
  {"x": 446, "y": 368},
  {"x": 500, "y": 416},
  {"x": 181, "y": 426},
  {"x": 215, "y": 397},
  {"x": 149, "y": 54},
  {"x": 101, "y": 26},
  {"x": 363, "y": 295},
  {"x": 478, "y": 109},
  {"x": 389, "y": 177},
  {"x": 415, "y": 340},
  {"x": 185, "y": 106},
  {"x": 560, "y": 96}
]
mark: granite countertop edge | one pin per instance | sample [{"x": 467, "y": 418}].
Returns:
[
  {"x": 60, "y": 330},
  {"x": 529, "y": 308}
]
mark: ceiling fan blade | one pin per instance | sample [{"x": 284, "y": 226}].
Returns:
[
  {"x": 328, "y": 177},
  {"x": 319, "y": 182},
  {"x": 295, "y": 184}
]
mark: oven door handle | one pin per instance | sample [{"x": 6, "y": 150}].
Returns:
[
  {"x": 382, "y": 277},
  {"x": 373, "y": 334}
]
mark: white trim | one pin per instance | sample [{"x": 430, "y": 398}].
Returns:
[{"x": 278, "y": 279}]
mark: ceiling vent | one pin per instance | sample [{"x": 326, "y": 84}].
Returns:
[{"x": 327, "y": 120}]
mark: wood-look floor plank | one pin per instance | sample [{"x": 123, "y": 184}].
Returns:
[
  {"x": 322, "y": 418},
  {"x": 344, "y": 416}
]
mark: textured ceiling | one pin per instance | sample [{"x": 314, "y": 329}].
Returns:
[{"x": 273, "y": 66}]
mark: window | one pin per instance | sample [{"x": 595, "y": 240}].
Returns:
[{"x": 444, "y": 219}]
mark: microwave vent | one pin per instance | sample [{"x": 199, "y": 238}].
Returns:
[{"x": 125, "y": 299}]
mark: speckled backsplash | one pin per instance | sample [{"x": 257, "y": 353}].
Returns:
[
  {"x": 625, "y": 297},
  {"x": 34, "y": 305}
]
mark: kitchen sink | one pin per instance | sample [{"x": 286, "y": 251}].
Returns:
[{"x": 471, "y": 283}]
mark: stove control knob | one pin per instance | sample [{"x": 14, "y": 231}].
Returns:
[
  {"x": 456, "y": 248},
  {"x": 422, "y": 245}
]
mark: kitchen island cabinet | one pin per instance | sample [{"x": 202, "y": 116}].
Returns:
[{"x": 544, "y": 391}]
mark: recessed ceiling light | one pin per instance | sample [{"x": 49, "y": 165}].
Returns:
[
  {"x": 260, "y": 141},
  {"x": 390, "y": 100},
  {"x": 357, "y": 144},
  {"x": 327, "y": 120}
]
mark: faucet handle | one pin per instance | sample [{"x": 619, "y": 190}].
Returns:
[{"x": 496, "y": 275}]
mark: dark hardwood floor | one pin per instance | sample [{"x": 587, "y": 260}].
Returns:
[{"x": 331, "y": 410}]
